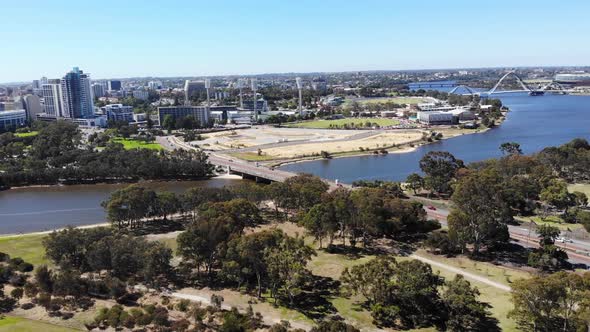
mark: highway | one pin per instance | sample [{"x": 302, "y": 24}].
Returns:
[{"x": 578, "y": 251}]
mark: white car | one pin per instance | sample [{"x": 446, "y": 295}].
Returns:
[{"x": 563, "y": 240}]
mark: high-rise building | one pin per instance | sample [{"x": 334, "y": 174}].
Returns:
[
  {"x": 155, "y": 85},
  {"x": 98, "y": 90},
  {"x": 114, "y": 85},
  {"x": 52, "y": 98},
  {"x": 32, "y": 105},
  {"x": 192, "y": 89},
  {"x": 77, "y": 95},
  {"x": 36, "y": 84}
]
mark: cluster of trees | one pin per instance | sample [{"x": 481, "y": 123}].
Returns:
[
  {"x": 556, "y": 302},
  {"x": 487, "y": 195},
  {"x": 78, "y": 251},
  {"x": 409, "y": 295},
  {"x": 364, "y": 214},
  {"x": 13, "y": 271},
  {"x": 57, "y": 155}
]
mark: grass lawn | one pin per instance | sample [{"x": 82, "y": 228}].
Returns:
[
  {"x": 129, "y": 143},
  {"x": 582, "y": 187},
  {"x": 27, "y": 247},
  {"x": 18, "y": 324},
  {"x": 395, "y": 100},
  {"x": 29, "y": 134},
  {"x": 555, "y": 221},
  {"x": 325, "y": 124}
]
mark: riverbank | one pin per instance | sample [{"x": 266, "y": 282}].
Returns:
[{"x": 448, "y": 132}]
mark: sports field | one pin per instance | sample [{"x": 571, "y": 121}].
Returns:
[{"x": 351, "y": 122}]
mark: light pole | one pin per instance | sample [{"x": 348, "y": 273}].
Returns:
[
  {"x": 254, "y": 87},
  {"x": 298, "y": 82}
]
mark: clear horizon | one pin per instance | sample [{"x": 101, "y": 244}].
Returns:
[{"x": 182, "y": 38}]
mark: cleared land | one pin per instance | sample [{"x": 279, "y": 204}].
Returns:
[
  {"x": 352, "y": 122},
  {"x": 130, "y": 144},
  {"x": 18, "y": 324},
  {"x": 27, "y": 247},
  {"x": 383, "y": 140}
]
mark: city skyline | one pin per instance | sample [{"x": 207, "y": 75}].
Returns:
[{"x": 184, "y": 39}]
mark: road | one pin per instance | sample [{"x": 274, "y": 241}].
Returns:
[{"x": 529, "y": 238}]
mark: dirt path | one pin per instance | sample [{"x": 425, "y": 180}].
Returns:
[
  {"x": 467, "y": 275},
  {"x": 270, "y": 314}
]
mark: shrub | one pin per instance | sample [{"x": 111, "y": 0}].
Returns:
[
  {"x": 25, "y": 267},
  {"x": 183, "y": 305},
  {"x": 17, "y": 293},
  {"x": 4, "y": 257},
  {"x": 27, "y": 306}
]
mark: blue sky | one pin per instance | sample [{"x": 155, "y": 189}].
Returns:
[{"x": 127, "y": 38}]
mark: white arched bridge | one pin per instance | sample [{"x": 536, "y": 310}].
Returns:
[{"x": 549, "y": 87}]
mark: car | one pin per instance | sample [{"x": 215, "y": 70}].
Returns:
[
  {"x": 562, "y": 239},
  {"x": 430, "y": 207}
]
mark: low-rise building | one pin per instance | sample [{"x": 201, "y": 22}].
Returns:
[
  {"x": 12, "y": 119},
  {"x": 118, "y": 112},
  {"x": 436, "y": 118},
  {"x": 141, "y": 94},
  {"x": 200, "y": 113}
]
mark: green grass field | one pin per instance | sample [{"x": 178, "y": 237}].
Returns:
[
  {"x": 27, "y": 247},
  {"x": 29, "y": 134},
  {"x": 325, "y": 124},
  {"x": 130, "y": 144},
  {"x": 18, "y": 324},
  {"x": 395, "y": 100}
]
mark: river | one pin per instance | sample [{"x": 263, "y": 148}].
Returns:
[
  {"x": 534, "y": 122},
  {"x": 33, "y": 209}
]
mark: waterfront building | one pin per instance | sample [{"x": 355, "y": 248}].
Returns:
[
  {"x": 52, "y": 98},
  {"x": 114, "y": 85},
  {"x": 77, "y": 95},
  {"x": 435, "y": 118},
  {"x": 118, "y": 112},
  {"x": 12, "y": 119},
  {"x": 98, "y": 90},
  {"x": 573, "y": 78},
  {"x": 200, "y": 113}
]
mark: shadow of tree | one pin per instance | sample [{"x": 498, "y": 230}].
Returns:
[{"x": 314, "y": 300}]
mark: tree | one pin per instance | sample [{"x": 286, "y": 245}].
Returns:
[
  {"x": 244, "y": 260},
  {"x": 321, "y": 221},
  {"x": 44, "y": 278},
  {"x": 287, "y": 267},
  {"x": 557, "y": 302},
  {"x": 511, "y": 148},
  {"x": 464, "y": 312},
  {"x": 415, "y": 182},
  {"x": 480, "y": 214},
  {"x": 168, "y": 122},
  {"x": 556, "y": 194},
  {"x": 404, "y": 292},
  {"x": 440, "y": 168},
  {"x": 548, "y": 256},
  {"x": 166, "y": 203},
  {"x": 334, "y": 325}
]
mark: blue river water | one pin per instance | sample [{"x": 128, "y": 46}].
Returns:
[{"x": 534, "y": 122}]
